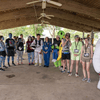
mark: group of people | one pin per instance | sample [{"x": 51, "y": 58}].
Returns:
[
  {"x": 62, "y": 48},
  {"x": 76, "y": 51}
]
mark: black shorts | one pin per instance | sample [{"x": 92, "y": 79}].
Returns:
[
  {"x": 65, "y": 56},
  {"x": 10, "y": 52}
]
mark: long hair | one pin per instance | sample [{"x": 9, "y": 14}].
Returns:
[
  {"x": 1, "y": 37},
  {"x": 29, "y": 37}
]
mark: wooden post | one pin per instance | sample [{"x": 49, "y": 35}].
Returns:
[{"x": 92, "y": 37}]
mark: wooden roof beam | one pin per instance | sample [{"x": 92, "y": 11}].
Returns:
[{"x": 25, "y": 12}]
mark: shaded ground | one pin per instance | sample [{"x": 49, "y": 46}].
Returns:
[{"x": 39, "y": 83}]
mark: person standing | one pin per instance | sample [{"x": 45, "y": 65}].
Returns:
[
  {"x": 20, "y": 48},
  {"x": 55, "y": 51},
  {"x": 75, "y": 54},
  {"x": 46, "y": 52},
  {"x": 10, "y": 49},
  {"x": 38, "y": 50},
  {"x": 2, "y": 52},
  {"x": 66, "y": 43},
  {"x": 86, "y": 59},
  {"x": 29, "y": 50}
]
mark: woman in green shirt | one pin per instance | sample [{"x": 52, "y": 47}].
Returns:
[{"x": 75, "y": 54}]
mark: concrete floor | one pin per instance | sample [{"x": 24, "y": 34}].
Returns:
[{"x": 39, "y": 83}]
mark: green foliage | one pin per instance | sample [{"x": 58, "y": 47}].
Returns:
[{"x": 25, "y": 30}]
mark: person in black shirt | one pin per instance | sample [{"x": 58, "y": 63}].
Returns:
[
  {"x": 55, "y": 50},
  {"x": 10, "y": 49}
]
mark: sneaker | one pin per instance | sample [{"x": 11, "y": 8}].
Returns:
[
  {"x": 52, "y": 60},
  {"x": 29, "y": 64},
  {"x": 39, "y": 64},
  {"x": 55, "y": 60},
  {"x": 84, "y": 79},
  {"x": 60, "y": 68},
  {"x": 63, "y": 71},
  {"x": 36, "y": 64},
  {"x": 32, "y": 63},
  {"x": 13, "y": 64},
  {"x": 1, "y": 69},
  {"x": 70, "y": 74},
  {"x": 44, "y": 65},
  {"x": 76, "y": 75},
  {"x": 9, "y": 65},
  {"x": 88, "y": 80},
  {"x": 5, "y": 66}
]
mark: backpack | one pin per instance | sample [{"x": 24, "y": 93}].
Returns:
[{"x": 20, "y": 45}]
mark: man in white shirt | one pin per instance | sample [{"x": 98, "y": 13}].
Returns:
[{"x": 38, "y": 50}]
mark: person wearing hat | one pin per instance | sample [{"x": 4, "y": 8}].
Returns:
[
  {"x": 55, "y": 51},
  {"x": 75, "y": 54},
  {"x": 66, "y": 43}
]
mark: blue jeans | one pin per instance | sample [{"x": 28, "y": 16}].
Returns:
[
  {"x": 29, "y": 56},
  {"x": 1, "y": 60},
  {"x": 55, "y": 53},
  {"x": 4, "y": 61},
  {"x": 9, "y": 59}
]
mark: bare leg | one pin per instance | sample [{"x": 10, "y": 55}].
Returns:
[
  {"x": 84, "y": 69},
  {"x": 87, "y": 69},
  {"x": 64, "y": 64},
  {"x": 68, "y": 65},
  {"x": 77, "y": 66},
  {"x": 71, "y": 67}
]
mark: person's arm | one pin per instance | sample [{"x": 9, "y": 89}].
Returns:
[
  {"x": 14, "y": 45},
  {"x": 26, "y": 47},
  {"x": 6, "y": 46},
  {"x": 23, "y": 41},
  {"x": 43, "y": 48},
  {"x": 41, "y": 44},
  {"x": 80, "y": 46},
  {"x": 72, "y": 47},
  {"x": 91, "y": 51},
  {"x": 70, "y": 43},
  {"x": 91, "y": 54},
  {"x": 63, "y": 44}
]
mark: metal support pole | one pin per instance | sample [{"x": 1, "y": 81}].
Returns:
[{"x": 92, "y": 37}]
